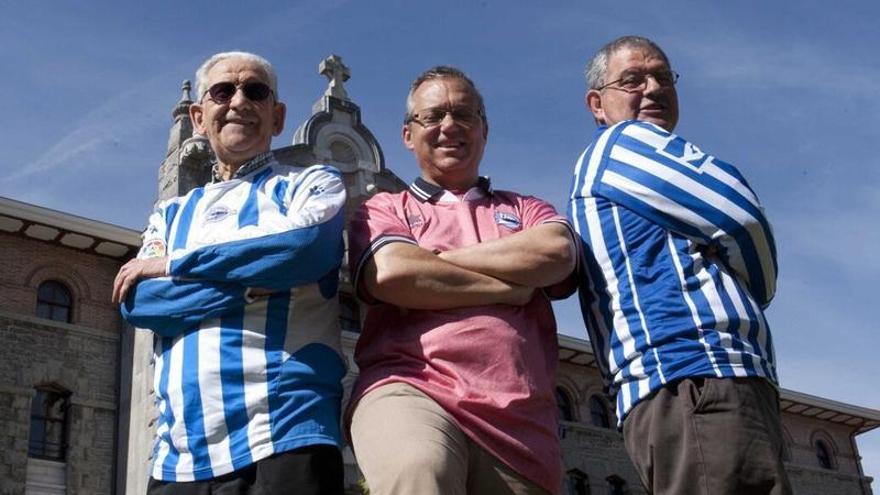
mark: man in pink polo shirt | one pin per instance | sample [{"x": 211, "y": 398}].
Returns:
[{"x": 458, "y": 353}]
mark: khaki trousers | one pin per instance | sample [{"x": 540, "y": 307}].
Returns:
[
  {"x": 709, "y": 436},
  {"x": 406, "y": 444}
]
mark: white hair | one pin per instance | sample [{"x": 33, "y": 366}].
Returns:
[{"x": 202, "y": 73}]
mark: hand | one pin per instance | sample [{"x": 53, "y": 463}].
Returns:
[{"x": 133, "y": 271}]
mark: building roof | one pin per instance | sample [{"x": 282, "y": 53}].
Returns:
[
  {"x": 578, "y": 351},
  {"x": 67, "y": 230}
]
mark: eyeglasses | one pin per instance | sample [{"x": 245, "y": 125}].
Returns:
[
  {"x": 433, "y": 117},
  {"x": 222, "y": 92},
  {"x": 638, "y": 81}
]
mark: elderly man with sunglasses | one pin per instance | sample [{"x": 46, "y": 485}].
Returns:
[
  {"x": 678, "y": 263},
  {"x": 458, "y": 353},
  {"x": 238, "y": 281}
]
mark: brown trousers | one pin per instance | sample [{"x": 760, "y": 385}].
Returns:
[{"x": 709, "y": 436}]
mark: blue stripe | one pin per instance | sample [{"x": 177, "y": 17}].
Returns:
[
  {"x": 183, "y": 225},
  {"x": 170, "y": 213},
  {"x": 250, "y": 212},
  {"x": 232, "y": 382},
  {"x": 706, "y": 316},
  {"x": 193, "y": 416},
  {"x": 277, "y": 311},
  {"x": 278, "y": 195},
  {"x": 169, "y": 464}
]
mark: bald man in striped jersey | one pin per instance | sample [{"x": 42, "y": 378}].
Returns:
[{"x": 679, "y": 263}]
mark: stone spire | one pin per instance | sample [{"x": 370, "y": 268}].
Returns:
[
  {"x": 187, "y": 159},
  {"x": 333, "y": 69},
  {"x": 182, "y": 128}
]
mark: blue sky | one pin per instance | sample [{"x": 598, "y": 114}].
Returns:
[{"x": 788, "y": 92}]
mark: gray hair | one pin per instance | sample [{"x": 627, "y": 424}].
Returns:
[
  {"x": 262, "y": 63},
  {"x": 598, "y": 67},
  {"x": 441, "y": 72}
]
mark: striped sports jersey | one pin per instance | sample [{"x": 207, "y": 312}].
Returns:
[
  {"x": 679, "y": 261},
  {"x": 239, "y": 378}
]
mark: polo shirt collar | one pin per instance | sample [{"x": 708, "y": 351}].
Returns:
[{"x": 425, "y": 191}]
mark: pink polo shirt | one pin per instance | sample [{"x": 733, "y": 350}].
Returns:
[{"x": 493, "y": 368}]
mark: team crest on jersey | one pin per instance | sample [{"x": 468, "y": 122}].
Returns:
[
  {"x": 508, "y": 220},
  {"x": 217, "y": 213},
  {"x": 316, "y": 189},
  {"x": 153, "y": 249},
  {"x": 414, "y": 220},
  {"x": 684, "y": 152}
]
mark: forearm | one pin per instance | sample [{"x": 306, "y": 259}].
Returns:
[
  {"x": 168, "y": 307},
  {"x": 278, "y": 261},
  {"x": 411, "y": 277},
  {"x": 538, "y": 257}
]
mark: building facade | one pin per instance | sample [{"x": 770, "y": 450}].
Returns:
[{"x": 76, "y": 409}]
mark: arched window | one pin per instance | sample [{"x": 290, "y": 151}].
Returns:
[
  {"x": 563, "y": 405},
  {"x": 599, "y": 413},
  {"x": 349, "y": 313},
  {"x": 49, "y": 422},
  {"x": 54, "y": 301},
  {"x": 616, "y": 485},
  {"x": 823, "y": 455},
  {"x": 577, "y": 483}
]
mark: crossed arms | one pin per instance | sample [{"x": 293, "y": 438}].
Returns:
[
  {"x": 206, "y": 282},
  {"x": 500, "y": 271},
  {"x": 670, "y": 182}
]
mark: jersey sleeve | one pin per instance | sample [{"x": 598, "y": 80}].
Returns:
[
  {"x": 671, "y": 182},
  {"x": 169, "y": 306},
  {"x": 373, "y": 225},
  {"x": 307, "y": 248}
]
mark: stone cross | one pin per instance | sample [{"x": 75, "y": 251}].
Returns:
[{"x": 333, "y": 69}]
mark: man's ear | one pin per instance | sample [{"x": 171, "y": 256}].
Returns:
[
  {"x": 593, "y": 99},
  {"x": 278, "y": 114},
  {"x": 197, "y": 114},
  {"x": 406, "y": 134}
]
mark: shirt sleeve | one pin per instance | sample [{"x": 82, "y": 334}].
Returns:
[
  {"x": 374, "y": 224},
  {"x": 169, "y": 306},
  {"x": 671, "y": 182},
  {"x": 307, "y": 248},
  {"x": 535, "y": 212}
]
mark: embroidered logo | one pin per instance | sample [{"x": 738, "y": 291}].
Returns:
[
  {"x": 414, "y": 220},
  {"x": 508, "y": 220},
  {"x": 684, "y": 152},
  {"x": 217, "y": 213},
  {"x": 153, "y": 249},
  {"x": 316, "y": 189}
]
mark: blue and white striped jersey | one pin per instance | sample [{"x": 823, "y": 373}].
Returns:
[
  {"x": 239, "y": 378},
  {"x": 679, "y": 261}
]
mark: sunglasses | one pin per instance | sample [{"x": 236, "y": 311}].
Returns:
[{"x": 223, "y": 92}]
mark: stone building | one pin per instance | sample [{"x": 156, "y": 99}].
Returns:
[{"x": 75, "y": 400}]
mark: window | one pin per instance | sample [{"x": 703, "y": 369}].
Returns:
[
  {"x": 616, "y": 485},
  {"x": 564, "y": 406},
  {"x": 54, "y": 301},
  {"x": 823, "y": 455},
  {"x": 599, "y": 413},
  {"x": 349, "y": 313},
  {"x": 577, "y": 483},
  {"x": 48, "y": 435}
]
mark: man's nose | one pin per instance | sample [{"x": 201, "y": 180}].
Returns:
[
  {"x": 238, "y": 98},
  {"x": 651, "y": 84}
]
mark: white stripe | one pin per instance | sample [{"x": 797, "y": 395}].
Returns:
[
  {"x": 256, "y": 389},
  {"x": 175, "y": 402},
  {"x": 695, "y": 316},
  {"x": 211, "y": 390}
]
